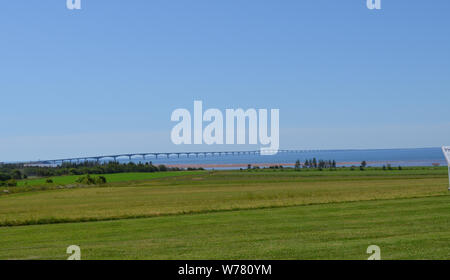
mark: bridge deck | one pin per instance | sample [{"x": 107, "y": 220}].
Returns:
[{"x": 156, "y": 155}]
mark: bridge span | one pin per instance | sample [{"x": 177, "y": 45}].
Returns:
[{"x": 156, "y": 155}]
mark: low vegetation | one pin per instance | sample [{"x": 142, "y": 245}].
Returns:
[
  {"x": 70, "y": 181},
  {"x": 88, "y": 180},
  {"x": 260, "y": 213},
  {"x": 9, "y": 172},
  {"x": 214, "y": 191}
]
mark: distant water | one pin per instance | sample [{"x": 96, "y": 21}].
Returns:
[{"x": 378, "y": 157}]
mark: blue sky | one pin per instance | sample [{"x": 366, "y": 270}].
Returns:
[{"x": 107, "y": 78}]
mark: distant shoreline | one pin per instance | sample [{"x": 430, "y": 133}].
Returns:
[{"x": 288, "y": 164}]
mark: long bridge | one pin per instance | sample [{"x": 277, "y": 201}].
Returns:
[{"x": 156, "y": 155}]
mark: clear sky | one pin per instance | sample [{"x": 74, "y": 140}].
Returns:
[{"x": 107, "y": 78}]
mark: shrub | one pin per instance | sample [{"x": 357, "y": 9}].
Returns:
[
  {"x": 16, "y": 174},
  {"x": 88, "y": 180},
  {"x": 100, "y": 180},
  {"x": 74, "y": 171},
  {"x": 4, "y": 177},
  {"x": 11, "y": 183},
  {"x": 162, "y": 168}
]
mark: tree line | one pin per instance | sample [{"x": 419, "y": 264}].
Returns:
[{"x": 314, "y": 163}]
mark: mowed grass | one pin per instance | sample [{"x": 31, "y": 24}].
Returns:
[
  {"x": 414, "y": 228},
  {"x": 215, "y": 191},
  {"x": 111, "y": 178}
]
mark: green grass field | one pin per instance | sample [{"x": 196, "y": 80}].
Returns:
[
  {"x": 262, "y": 214},
  {"x": 111, "y": 178}
]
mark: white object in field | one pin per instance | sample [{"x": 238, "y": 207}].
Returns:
[{"x": 446, "y": 151}]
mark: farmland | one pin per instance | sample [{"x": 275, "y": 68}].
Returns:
[{"x": 262, "y": 214}]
